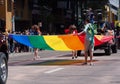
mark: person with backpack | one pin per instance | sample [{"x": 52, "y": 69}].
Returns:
[{"x": 89, "y": 40}]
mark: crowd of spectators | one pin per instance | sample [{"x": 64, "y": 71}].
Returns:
[{"x": 15, "y": 47}]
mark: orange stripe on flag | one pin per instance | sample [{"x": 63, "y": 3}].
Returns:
[{"x": 72, "y": 42}]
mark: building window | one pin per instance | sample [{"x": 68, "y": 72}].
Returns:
[
  {"x": 36, "y": 1},
  {"x": 62, "y": 4},
  {"x": 21, "y": 14},
  {"x": 9, "y": 7},
  {"x": 22, "y": 3}
]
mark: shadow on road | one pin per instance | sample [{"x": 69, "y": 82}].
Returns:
[
  {"x": 59, "y": 62},
  {"x": 51, "y": 62},
  {"x": 82, "y": 55}
]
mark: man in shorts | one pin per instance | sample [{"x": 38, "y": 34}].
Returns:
[{"x": 89, "y": 40}]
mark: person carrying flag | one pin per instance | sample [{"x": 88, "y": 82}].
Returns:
[{"x": 89, "y": 40}]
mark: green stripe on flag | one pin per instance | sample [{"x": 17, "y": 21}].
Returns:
[{"x": 39, "y": 42}]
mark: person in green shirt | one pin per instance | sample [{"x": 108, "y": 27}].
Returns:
[{"x": 89, "y": 40}]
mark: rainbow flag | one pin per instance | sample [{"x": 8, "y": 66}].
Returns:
[{"x": 57, "y": 42}]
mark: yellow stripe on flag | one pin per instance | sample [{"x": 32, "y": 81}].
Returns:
[
  {"x": 56, "y": 43},
  {"x": 99, "y": 37}
]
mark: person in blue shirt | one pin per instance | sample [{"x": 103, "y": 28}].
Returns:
[{"x": 35, "y": 30}]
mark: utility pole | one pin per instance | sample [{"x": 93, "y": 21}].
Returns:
[
  {"x": 13, "y": 16},
  {"x": 119, "y": 12},
  {"x": 110, "y": 12}
]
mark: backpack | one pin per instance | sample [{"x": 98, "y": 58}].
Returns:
[{"x": 93, "y": 29}]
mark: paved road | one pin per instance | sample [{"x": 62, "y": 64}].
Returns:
[{"x": 58, "y": 68}]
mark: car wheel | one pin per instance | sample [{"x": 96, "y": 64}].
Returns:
[
  {"x": 114, "y": 48},
  {"x": 108, "y": 50},
  {"x": 3, "y": 68}
]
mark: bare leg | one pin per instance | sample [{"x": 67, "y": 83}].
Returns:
[
  {"x": 35, "y": 53},
  {"x": 91, "y": 56},
  {"x": 73, "y": 54},
  {"x": 86, "y": 57}
]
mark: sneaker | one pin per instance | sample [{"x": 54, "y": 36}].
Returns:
[
  {"x": 91, "y": 64},
  {"x": 72, "y": 57},
  {"x": 36, "y": 58},
  {"x": 76, "y": 56}
]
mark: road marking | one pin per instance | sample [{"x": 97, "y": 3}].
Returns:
[{"x": 54, "y": 70}]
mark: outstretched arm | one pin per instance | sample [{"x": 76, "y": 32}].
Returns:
[{"x": 81, "y": 32}]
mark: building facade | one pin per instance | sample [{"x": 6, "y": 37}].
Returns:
[
  {"x": 55, "y": 15},
  {"x": 5, "y": 15}
]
